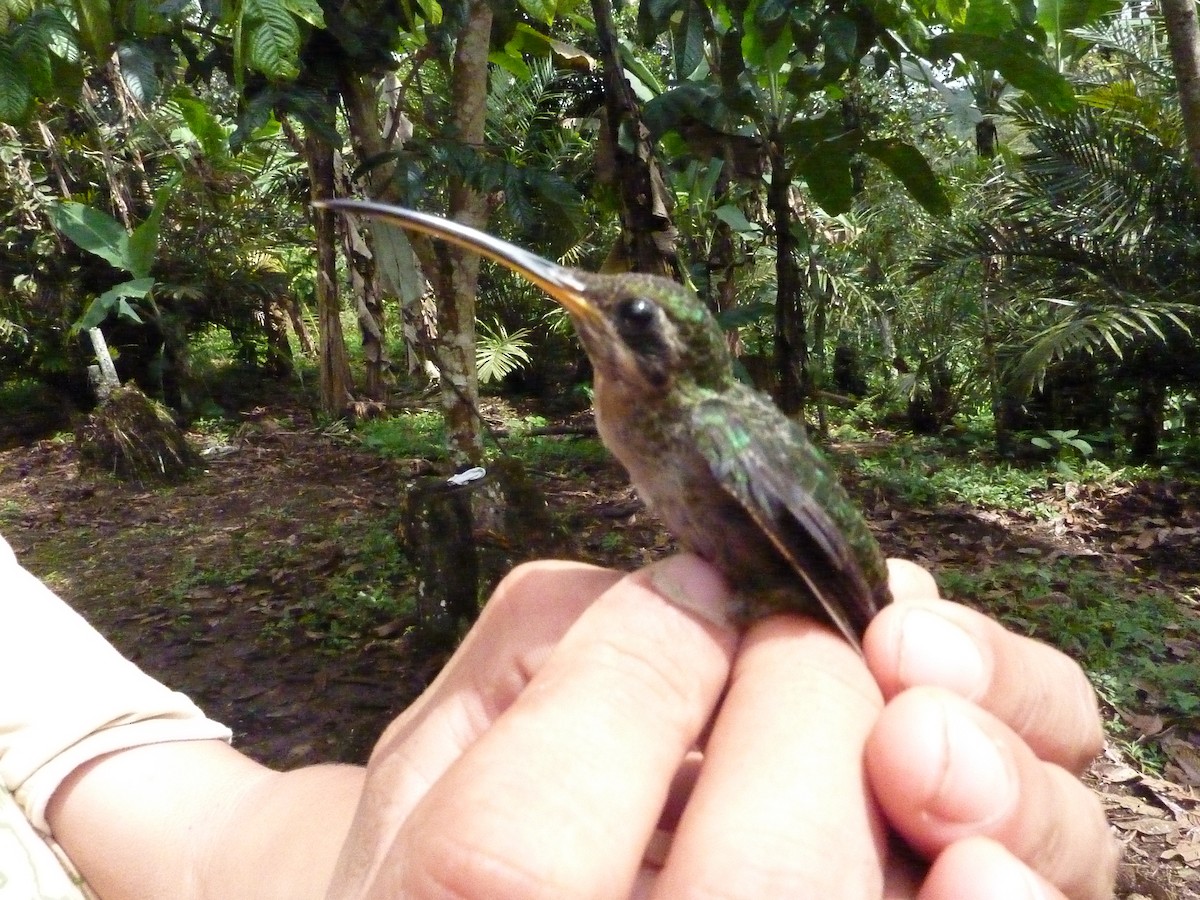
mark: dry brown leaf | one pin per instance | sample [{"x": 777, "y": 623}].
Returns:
[{"x": 1149, "y": 825}]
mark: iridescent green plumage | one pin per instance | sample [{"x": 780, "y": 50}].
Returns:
[{"x": 733, "y": 479}]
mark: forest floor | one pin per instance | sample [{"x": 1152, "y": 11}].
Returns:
[{"x": 259, "y": 588}]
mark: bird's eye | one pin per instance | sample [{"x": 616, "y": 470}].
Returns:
[{"x": 637, "y": 312}]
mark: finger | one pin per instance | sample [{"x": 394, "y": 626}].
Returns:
[
  {"x": 1037, "y": 691},
  {"x": 560, "y": 796},
  {"x": 527, "y": 615},
  {"x": 525, "y": 618},
  {"x": 981, "y": 869},
  {"x": 944, "y": 770},
  {"x": 910, "y": 581},
  {"x": 781, "y": 808}
]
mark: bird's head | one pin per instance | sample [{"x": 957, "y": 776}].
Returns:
[{"x": 645, "y": 333}]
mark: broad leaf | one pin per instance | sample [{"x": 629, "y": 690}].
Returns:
[
  {"x": 397, "y": 263},
  {"x": 272, "y": 39},
  {"x": 689, "y": 40},
  {"x": 1018, "y": 60},
  {"x": 204, "y": 127},
  {"x": 138, "y": 73},
  {"x": 540, "y": 10},
  {"x": 692, "y": 100},
  {"x": 306, "y": 11},
  {"x": 115, "y": 299},
  {"x": 910, "y": 166},
  {"x": 989, "y": 17},
  {"x": 16, "y": 98},
  {"x": 1057, "y": 17},
  {"x": 841, "y": 38},
  {"x": 736, "y": 219},
  {"x": 827, "y": 172},
  {"x": 745, "y": 314},
  {"x": 95, "y": 20},
  {"x": 143, "y": 243},
  {"x": 30, "y": 46},
  {"x": 526, "y": 39},
  {"x": 94, "y": 231}
]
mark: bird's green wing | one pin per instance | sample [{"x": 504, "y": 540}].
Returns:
[{"x": 767, "y": 464}]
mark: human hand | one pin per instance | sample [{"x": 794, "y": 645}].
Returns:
[
  {"x": 973, "y": 759},
  {"x": 540, "y": 762}
]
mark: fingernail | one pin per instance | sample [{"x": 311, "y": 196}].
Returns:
[
  {"x": 978, "y": 785},
  {"x": 935, "y": 651},
  {"x": 689, "y": 582}
]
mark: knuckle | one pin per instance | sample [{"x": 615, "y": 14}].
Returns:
[
  {"x": 456, "y": 865},
  {"x": 645, "y": 670}
]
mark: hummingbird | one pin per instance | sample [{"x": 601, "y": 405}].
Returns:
[{"x": 733, "y": 479}]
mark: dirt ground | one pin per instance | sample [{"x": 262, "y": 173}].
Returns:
[{"x": 207, "y": 584}]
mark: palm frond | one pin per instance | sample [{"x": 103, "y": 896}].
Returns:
[
  {"x": 499, "y": 352},
  {"x": 1119, "y": 329}
]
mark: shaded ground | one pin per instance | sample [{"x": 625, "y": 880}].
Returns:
[{"x": 257, "y": 588}]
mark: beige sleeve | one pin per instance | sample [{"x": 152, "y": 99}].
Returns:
[{"x": 67, "y": 696}]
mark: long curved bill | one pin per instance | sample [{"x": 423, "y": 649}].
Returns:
[{"x": 558, "y": 281}]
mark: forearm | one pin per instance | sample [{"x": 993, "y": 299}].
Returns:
[{"x": 198, "y": 820}]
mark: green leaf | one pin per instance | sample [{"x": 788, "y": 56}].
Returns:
[
  {"x": 654, "y": 17},
  {"x": 690, "y": 101},
  {"x": 143, "y": 242},
  {"x": 272, "y": 39},
  {"x": 635, "y": 67},
  {"x": 114, "y": 300},
  {"x": 95, "y": 20},
  {"x": 306, "y": 11},
  {"x": 539, "y": 10},
  {"x": 689, "y": 40},
  {"x": 988, "y": 17},
  {"x": 908, "y": 164},
  {"x": 1017, "y": 59},
  {"x": 95, "y": 231},
  {"x": 16, "y": 98},
  {"x": 827, "y": 173},
  {"x": 767, "y": 49},
  {"x": 511, "y": 61},
  {"x": 32, "y": 58},
  {"x": 497, "y": 353},
  {"x": 205, "y": 127},
  {"x": 1057, "y": 17},
  {"x": 840, "y": 35},
  {"x": 138, "y": 73},
  {"x": 740, "y": 315},
  {"x": 526, "y": 39},
  {"x": 736, "y": 219}
]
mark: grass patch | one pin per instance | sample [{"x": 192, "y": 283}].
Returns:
[
  {"x": 363, "y": 593},
  {"x": 422, "y": 435},
  {"x": 552, "y": 452},
  {"x": 1133, "y": 640},
  {"x": 411, "y": 435},
  {"x": 924, "y": 473}
]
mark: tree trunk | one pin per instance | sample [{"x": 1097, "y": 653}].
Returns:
[
  {"x": 460, "y": 268},
  {"x": 368, "y": 298},
  {"x": 105, "y": 380},
  {"x": 362, "y": 251},
  {"x": 1183, "y": 37},
  {"x": 1000, "y": 401},
  {"x": 647, "y": 232},
  {"x": 819, "y": 289},
  {"x": 336, "y": 384},
  {"x": 791, "y": 340}
]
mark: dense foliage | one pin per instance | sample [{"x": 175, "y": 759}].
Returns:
[{"x": 922, "y": 211}]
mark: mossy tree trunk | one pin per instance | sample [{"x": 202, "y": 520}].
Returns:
[{"x": 336, "y": 384}]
